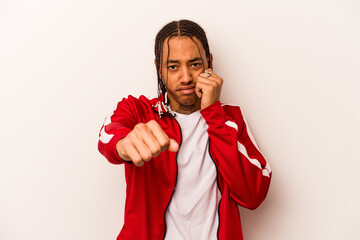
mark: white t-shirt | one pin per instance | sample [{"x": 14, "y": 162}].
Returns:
[{"x": 193, "y": 209}]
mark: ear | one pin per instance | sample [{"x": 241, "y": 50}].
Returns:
[{"x": 211, "y": 60}]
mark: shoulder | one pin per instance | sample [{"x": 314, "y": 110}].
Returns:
[
  {"x": 235, "y": 114},
  {"x": 140, "y": 102},
  {"x": 135, "y": 107},
  {"x": 231, "y": 109}
]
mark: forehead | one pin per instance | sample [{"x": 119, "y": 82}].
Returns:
[{"x": 183, "y": 48}]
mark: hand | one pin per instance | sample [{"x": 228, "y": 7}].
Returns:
[
  {"x": 144, "y": 142},
  {"x": 208, "y": 88}
]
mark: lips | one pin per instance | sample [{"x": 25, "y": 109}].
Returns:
[{"x": 187, "y": 89}]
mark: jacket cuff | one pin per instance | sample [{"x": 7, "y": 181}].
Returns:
[
  {"x": 214, "y": 114},
  {"x": 112, "y": 152}
]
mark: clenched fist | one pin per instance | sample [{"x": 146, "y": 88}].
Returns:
[
  {"x": 144, "y": 142},
  {"x": 208, "y": 88}
]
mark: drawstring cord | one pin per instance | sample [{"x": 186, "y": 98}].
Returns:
[{"x": 165, "y": 105}]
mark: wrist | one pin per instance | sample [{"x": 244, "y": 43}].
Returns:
[{"x": 119, "y": 150}]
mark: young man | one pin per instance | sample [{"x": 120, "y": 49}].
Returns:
[{"x": 189, "y": 160}]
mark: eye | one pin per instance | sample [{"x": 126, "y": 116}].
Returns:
[
  {"x": 197, "y": 64},
  {"x": 172, "y": 67}
]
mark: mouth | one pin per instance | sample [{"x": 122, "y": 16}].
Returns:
[{"x": 187, "y": 89}]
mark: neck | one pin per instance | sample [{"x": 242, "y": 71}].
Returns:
[{"x": 186, "y": 109}]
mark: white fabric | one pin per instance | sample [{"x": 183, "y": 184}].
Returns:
[
  {"x": 266, "y": 172},
  {"x": 104, "y": 136},
  {"x": 193, "y": 209}
]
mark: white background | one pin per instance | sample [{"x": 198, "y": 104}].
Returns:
[{"x": 292, "y": 66}]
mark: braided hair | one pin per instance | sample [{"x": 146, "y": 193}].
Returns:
[{"x": 177, "y": 29}]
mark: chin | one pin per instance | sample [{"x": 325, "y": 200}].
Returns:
[{"x": 190, "y": 101}]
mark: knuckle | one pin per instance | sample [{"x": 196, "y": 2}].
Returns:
[
  {"x": 129, "y": 141},
  {"x": 137, "y": 161},
  {"x": 139, "y": 164},
  {"x": 130, "y": 137},
  {"x": 147, "y": 157},
  {"x": 139, "y": 126},
  {"x": 155, "y": 150},
  {"x": 164, "y": 142},
  {"x": 151, "y": 123}
]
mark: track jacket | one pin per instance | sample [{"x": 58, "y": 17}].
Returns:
[{"x": 243, "y": 175}]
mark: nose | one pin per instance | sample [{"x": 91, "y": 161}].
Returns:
[{"x": 186, "y": 76}]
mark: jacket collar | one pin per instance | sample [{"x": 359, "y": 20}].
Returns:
[{"x": 161, "y": 107}]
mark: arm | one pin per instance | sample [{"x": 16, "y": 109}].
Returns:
[
  {"x": 116, "y": 127},
  {"x": 124, "y": 139},
  {"x": 239, "y": 160}
]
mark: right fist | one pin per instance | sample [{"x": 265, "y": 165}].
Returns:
[{"x": 144, "y": 142}]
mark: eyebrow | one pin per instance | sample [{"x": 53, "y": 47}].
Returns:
[{"x": 191, "y": 60}]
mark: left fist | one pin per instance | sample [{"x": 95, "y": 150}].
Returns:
[{"x": 208, "y": 88}]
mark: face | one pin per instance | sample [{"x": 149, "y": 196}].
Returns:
[{"x": 185, "y": 63}]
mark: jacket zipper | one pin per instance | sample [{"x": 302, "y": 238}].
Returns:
[
  {"x": 176, "y": 174},
  {"x": 218, "y": 185}
]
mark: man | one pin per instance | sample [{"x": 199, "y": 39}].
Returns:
[{"x": 189, "y": 160}]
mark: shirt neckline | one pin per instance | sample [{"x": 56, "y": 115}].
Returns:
[{"x": 193, "y": 114}]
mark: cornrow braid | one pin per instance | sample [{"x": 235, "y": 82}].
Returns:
[{"x": 177, "y": 28}]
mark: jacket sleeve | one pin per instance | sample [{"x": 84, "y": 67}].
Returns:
[
  {"x": 115, "y": 127},
  {"x": 239, "y": 160}
]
